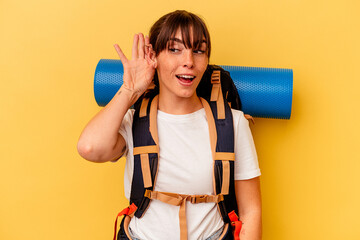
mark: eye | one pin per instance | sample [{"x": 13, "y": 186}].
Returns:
[
  {"x": 198, "y": 51},
  {"x": 174, "y": 50}
]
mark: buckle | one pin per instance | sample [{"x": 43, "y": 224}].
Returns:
[
  {"x": 215, "y": 77},
  {"x": 220, "y": 197},
  {"x": 198, "y": 198},
  {"x": 147, "y": 193}
]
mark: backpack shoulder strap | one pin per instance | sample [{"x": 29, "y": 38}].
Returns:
[
  {"x": 223, "y": 146},
  {"x": 228, "y": 88},
  {"x": 146, "y": 153}
]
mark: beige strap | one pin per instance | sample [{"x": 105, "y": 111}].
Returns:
[
  {"x": 249, "y": 118},
  {"x": 226, "y": 178},
  {"x": 126, "y": 225},
  {"x": 180, "y": 200},
  {"x": 153, "y": 119},
  {"x": 182, "y": 221},
  {"x": 145, "y": 149},
  {"x": 216, "y": 85},
  {"x": 143, "y": 107},
  {"x": 229, "y": 156},
  {"x": 224, "y": 231},
  {"x": 169, "y": 198},
  {"x": 176, "y": 199},
  {"x": 215, "y": 92},
  {"x": 145, "y": 168},
  {"x": 215, "y": 76},
  {"x": 220, "y": 105},
  {"x": 211, "y": 125},
  {"x": 217, "y": 95}
]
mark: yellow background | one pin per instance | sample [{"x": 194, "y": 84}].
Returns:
[{"x": 48, "y": 53}]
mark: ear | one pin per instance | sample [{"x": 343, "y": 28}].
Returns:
[
  {"x": 154, "y": 61},
  {"x": 152, "y": 57}
]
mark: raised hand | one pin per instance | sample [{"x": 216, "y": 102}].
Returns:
[{"x": 140, "y": 70}]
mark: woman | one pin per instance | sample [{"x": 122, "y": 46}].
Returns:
[{"x": 175, "y": 56}]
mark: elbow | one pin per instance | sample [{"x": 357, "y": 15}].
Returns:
[
  {"x": 88, "y": 152},
  {"x": 84, "y": 150},
  {"x": 253, "y": 211}
]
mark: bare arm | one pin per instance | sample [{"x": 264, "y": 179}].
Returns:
[
  {"x": 100, "y": 140},
  {"x": 249, "y": 203}
]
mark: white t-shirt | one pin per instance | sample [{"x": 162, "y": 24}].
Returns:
[{"x": 186, "y": 167}]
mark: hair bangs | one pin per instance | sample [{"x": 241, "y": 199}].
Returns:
[
  {"x": 189, "y": 24},
  {"x": 191, "y": 29}
]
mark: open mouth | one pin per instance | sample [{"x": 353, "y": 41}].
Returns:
[{"x": 185, "y": 78}]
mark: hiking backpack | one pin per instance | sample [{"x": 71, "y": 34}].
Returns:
[{"x": 218, "y": 94}]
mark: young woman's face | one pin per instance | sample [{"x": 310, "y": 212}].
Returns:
[{"x": 180, "y": 69}]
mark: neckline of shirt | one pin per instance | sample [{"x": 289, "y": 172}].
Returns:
[{"x": 182, "y": 117}]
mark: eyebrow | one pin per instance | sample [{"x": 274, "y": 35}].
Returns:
[
  {"x": 176, "y": 40},
  {"x": 181, "y": 41}
]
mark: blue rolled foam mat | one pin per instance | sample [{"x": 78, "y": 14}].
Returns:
[{"x": 264, "y": 92}]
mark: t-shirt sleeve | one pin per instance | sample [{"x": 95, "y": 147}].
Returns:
[
  {"x": 126, "y": 129},
  {"x": 246, "y": 161}
]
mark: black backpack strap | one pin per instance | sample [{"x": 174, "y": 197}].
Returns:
[
  {"x": 228, "y": 88},
  {"x": 146, "y": 153},
  {"x": 222, "y": 146}
]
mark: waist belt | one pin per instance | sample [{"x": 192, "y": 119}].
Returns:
[{"x": 180, "y": 200}]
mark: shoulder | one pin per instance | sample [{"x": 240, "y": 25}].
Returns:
[
  {"x": 237, "y": 113},
  {"x": 126, "y": 124},
  {"x": 242, "y": 131},
  {"x": 239, "y": 118},
  {"x": 246, "y": 161},
  {"x": 129, "y": 116}
]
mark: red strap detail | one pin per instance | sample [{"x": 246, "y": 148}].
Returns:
[
  {"x": 126, "y": 211},
  {"x": 236, "y": 224},
  {"x": 237, "y": 228},
  {"x": 232, "y": 216},
  {"x": 132, "y": 209}
]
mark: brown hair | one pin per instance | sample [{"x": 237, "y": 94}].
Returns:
[{"x": 166, "y": 27}]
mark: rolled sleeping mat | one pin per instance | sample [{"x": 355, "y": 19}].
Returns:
[{"x": 264, "y": 92}]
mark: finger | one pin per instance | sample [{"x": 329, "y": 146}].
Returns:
[
  {"x": 141, "y": 45},
  {"x": 147, "y": 45},
  {"x": 120, "y": 53},
  {"x": 135, "y": 47},
  {"x": 149, "y": 57},
  {"x": 149, "y": 61},
  {"x": 147, "y": 40}
]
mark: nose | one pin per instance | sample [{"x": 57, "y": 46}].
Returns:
[{"x": 188, "y": 58}]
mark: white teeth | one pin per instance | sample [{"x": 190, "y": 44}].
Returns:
[{"x": 186, "y": 76}]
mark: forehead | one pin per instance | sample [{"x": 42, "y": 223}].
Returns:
[{"x": 179, "y": 37}]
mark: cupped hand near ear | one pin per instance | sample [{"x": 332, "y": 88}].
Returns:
[{"x": 140, "y": 70}]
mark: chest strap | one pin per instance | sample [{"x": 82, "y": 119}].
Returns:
[{"x": 180, "y": 200}]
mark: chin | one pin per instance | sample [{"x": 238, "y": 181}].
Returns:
[{"x": 187, "y": 94}]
